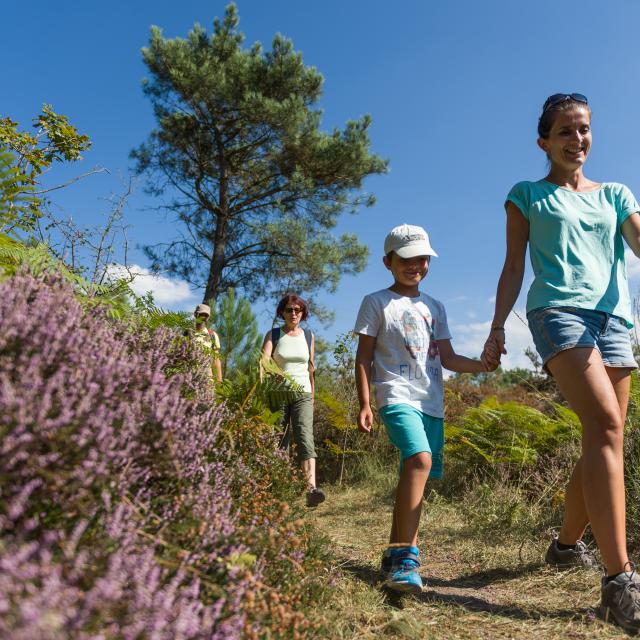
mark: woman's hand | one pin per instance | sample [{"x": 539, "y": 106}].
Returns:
[
  {"x": 365, "y": 419},
  {"x": 494, "y": 348}
]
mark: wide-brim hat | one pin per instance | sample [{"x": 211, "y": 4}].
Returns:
[{"x": 202, "y": 308}]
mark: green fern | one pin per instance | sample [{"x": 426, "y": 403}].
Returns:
[
  {"x": 511, "y": 433},
  {"x": 259, "y": 391},
  {"x": 115, "y": 296}
]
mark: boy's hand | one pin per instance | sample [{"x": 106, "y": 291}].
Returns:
[
  {"x": 365, "y": 419},
  {"x": 489, "y": 363}
]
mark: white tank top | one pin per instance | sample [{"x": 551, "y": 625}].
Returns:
[{"x": 292, "y": 356}]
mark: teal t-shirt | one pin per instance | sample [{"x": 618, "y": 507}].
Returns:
[{"x": 576, "y": 247}]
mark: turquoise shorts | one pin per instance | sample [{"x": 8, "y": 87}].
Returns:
[{"x": 413, "y": 432}]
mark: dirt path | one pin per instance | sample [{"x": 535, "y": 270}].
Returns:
[{"x": 474, "y": 588}]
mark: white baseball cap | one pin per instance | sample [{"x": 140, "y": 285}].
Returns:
[{"x": 408, "y": 241}]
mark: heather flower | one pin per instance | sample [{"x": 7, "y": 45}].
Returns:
[{"x": 131, "y": 506}]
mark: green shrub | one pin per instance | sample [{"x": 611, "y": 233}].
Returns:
[
  {"x": 507, "y": 433},
  {"x": 528, "y": 503}
]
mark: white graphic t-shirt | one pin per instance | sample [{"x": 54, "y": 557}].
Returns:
[{"x": 406, "y": 361}]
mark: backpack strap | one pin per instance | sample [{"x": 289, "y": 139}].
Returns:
[
  {"x": 275, "y": 336},
  {"x": 215, "y": 338},
  {"x": 308, "y": 335}
]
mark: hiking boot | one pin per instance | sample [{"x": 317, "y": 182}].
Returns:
[
  {"x": 621, "y": 601},
  {"x": 315, "y": 497},
  {"x": 580, "y": 556},
  {"x": 403, "y": 576}
]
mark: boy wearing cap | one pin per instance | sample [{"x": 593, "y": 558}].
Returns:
[
  {"x": 403, "y": 343},
  {"x": 207, "y": 338}
]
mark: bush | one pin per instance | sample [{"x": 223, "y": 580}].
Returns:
[
  {"x": 344, "y": 454},
  {"x": 507, "y": 434},
  {"x": 129, "y": 505},
  {"x": 501, "y": 502},
  {"x": 508, "y": 464}
]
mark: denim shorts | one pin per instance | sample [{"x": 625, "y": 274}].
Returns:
[
  {"x": 413, "y": 432},
  {"x": 555, "y": 329}
]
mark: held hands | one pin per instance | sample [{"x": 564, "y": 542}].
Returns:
[
  {"x": 365, "y": 419},
  {"x": 493, "y": 349}
]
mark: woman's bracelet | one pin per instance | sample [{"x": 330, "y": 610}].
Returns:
[{"x": 497, "y": 328}]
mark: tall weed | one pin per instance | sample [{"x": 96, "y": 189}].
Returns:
[{"x": 632, "y": 467}]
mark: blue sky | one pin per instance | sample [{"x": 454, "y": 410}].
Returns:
[{"x": 454, "y": 89}]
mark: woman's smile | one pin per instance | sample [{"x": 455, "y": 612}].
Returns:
[{"x": 569, "y": 141}]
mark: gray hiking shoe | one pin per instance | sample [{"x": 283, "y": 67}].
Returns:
[
  {"x": 567, "y": 558},
  {"x": 621, "y": 601}
]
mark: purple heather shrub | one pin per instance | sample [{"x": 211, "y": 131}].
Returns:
[{"x": 117, "y": 480}]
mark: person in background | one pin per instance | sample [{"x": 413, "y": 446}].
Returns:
[
  {"x": 292, "y": 349},
  {"x": 207, "y": 338},
  {"x": 579, "y": 315}
]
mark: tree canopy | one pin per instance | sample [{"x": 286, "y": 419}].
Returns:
[
  {"x": 244, "y": 167},
  {"x": 24, "y": 157}
]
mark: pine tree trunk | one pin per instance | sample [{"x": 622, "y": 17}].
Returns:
[
  {"x": 216, "y": 266},
  {"x": 220, "y": 238}
]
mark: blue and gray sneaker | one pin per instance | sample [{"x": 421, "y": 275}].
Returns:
[{"x": 403, "y": 575}]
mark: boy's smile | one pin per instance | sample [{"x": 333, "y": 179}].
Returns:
[{"x": 407, "y": 272}]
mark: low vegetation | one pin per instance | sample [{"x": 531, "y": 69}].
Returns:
[{"x": 131, "y": 505}]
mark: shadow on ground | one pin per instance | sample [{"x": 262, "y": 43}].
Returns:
[
  {"x": 487, "y": 577},
  {"x": 478, "y": 605},
  {"x": 372, "y": 577}
]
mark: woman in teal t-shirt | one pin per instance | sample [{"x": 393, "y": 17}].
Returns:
[{"x": 579, "y": 316}]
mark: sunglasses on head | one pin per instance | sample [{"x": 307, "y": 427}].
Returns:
[
  {"x": 559, "y": 98},
  {"x": 293, "y": 309}
]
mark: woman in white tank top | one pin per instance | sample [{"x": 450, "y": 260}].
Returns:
[{"x": 293, "y": 353}]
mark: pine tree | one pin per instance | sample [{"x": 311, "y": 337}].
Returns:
[
  {"x": 255, "y": 184},
  {"x": 234, "y": 321}
]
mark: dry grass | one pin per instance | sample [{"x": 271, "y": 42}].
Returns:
[{"x": 474, "y": 587}]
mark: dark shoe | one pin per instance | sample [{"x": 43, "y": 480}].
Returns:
[
  {"x": 315, "y": 497},
  {"x": 387, "y": 561},
  {"x": 567, "y": 558},
  {"x": 621, "y": 601}
]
